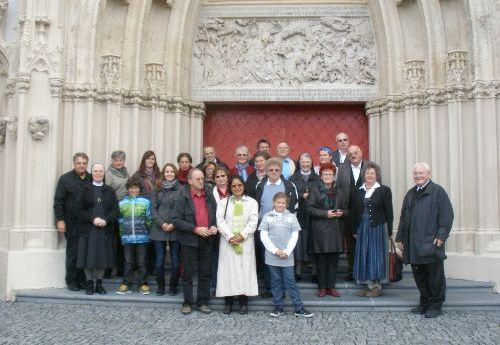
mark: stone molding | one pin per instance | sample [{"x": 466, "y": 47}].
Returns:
[
  {"x": 284, "y": 53},
  {"x": 87, "y": 92},
  {"x": 434, "y": 96},
  {"x": 4, "y": 4}
]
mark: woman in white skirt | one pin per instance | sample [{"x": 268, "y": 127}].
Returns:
[{"x": 237, "y": 217}]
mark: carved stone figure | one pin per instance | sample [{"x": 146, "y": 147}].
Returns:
[
  {"x": 110, "y": 71},
  {"x": 154, "y": 79},
  {"x": 38, "y": 127},
  {"x": 3, "y": 130},
  {"x": 284, "y": 51},
  {"x": 11, "y": 126},
  {"x": 456, "y": 67},
  {"x": 415, "y": 74}
]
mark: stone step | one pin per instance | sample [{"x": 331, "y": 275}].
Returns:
[{"x": 401, "y": 296}]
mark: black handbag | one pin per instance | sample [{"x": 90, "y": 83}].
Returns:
[{"x": 395, "y": 265}]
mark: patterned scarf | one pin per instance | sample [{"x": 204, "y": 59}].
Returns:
[
  {"x": 238, "y": 223},
  {"x": 122, "y": 172}
]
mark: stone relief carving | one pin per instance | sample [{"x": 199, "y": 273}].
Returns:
[
  {"x": 3, "y": 130},
  {"x": 4, "y": 4},
  {"x": 456, "y": 67},
  {"x": 11, "y": 126},
  {"x": 25, "y": 31},
  {"x": 110, "y": 71},
  {"x": 23, "y": 81},
  {"x": 56, "y": 86},
  {"x": 415, "y": 74},
  {"x": 38, "y": 127},
  {"x": 284, "y": 51},
  {"x": 154, "y": 78}
]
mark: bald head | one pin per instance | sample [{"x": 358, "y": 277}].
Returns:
[{"x": 355, "y": 154}]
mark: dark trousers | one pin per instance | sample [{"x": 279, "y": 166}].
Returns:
[
  {"x": 215, "y": 266},
  {"x": 175, "y": 258},
  {"x": 261, "y": 265},
  {"x": 326, "y": 265},
  {"x": 120, "y": 259},
  {"x": 74, "y": 275},
  {"x": 431, "y": 283},
  {"x": 197, "y": 259},
  {"x": 135, "y": 262},
  {"x": 351, "y": 248}
]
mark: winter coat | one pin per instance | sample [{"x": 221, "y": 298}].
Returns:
[
  {"x": 163, "y": 204},
  {"x": 312, "y": 183},
  {"x": 117, "y": 183},
  {"x": 88, "y": 204},
  {"x": 425, "y": 215},
  {"x": 135, "y": 219},
  {"x": 183, "y": 217},
  {"x": 237, "y": 274},
  {"x": 327, "y": 234}
]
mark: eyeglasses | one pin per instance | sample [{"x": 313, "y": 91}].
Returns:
[
  {"x": 341, "y": 140},
  {"x": 242, "y": 154},
  {"x": 220, "y": 176},
  {"x": 237, "y": 185},
  {"x": 273, "y": 170}
]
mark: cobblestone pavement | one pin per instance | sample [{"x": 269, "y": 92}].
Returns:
[{"x": 34, "y": 323}]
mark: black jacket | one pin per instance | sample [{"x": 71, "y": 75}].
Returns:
[
  {"x": 162, "y": 208},
  {"x": 425, "y": 215},
  {"x": 183, "y": 217},
  {"x": 67, "y": 196},
  {"x": 380, "y": 208},
  {"x": 313, "y": 182},
  {"x": 290, "y": 190},
  {"x": 88, "y": 204}
]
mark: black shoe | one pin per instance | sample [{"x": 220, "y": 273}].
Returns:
[
  {"x": 266, "y": 294},
  {"x": 228, "y": 308},
  {"x": 349, "y": 278},
  {"x": 90, "y": 287},
  {"x": 243, "y": 309},
  {"x": 160, "y": 290},
  {"x": 304, "y": 313},
  {"x": 82, "y": 285},
  {"x": 73, "y": 287},
  {"x": 298, "y": 277},
  {"x": 314, "y": 279},
  {"x": 419, "y": 310},
  {"x": 433, "y": 313},
  {"x": 172, "y": 292},
  {"x": 277, "y": 312},
  {"x": 98, "y": 287}
]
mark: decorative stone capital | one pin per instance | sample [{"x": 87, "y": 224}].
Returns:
[
  {"x": 154, "y": 78},
  {"x": 456, "y": 67},
  {"x": 79, "y": 92},
  {"x": 415, "y": 74},
  {"x": 56, "y": 86},
  {"x": 110, "y": 71},
  {"x": 38, "y": 127},
  {"x": 23, "y": 81}
]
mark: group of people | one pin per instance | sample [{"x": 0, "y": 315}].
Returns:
[{"x": 266, "y": 215}]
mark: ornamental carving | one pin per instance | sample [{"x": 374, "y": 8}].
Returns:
[
  {"x": 154, "y": 78},
  {"x": 25, "y": 31},
  {"x": 110, "y": 71},
  {"x": 11, "y": 126},
  {"x": 415, "y": 74},
  {"x": 56, "y": 86},
  {"x": 284, "y": 52},
  {"x": 4, "y": 4},
  {"x": 456, "y": 67},
  {"x": 38, "y": 127},
  {"x": 23, "y": 81}
]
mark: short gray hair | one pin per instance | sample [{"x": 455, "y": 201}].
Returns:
[
  {"x": 192, "y": 171},
  {"x": 305, "y": 155},
  {"x": 423, "y": 165},
  {"x": 118, "y": 154},
  {"x": 273, "y": 161}
]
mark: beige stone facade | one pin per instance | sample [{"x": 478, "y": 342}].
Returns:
[{"x": 95, "y": 76}]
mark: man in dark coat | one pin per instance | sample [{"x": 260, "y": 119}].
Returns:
[
  {"x": 194, "y": 218},
  {"x": 424, "y": 226},
  {"x": 209, "y": 155},
  {"x": 349, "y": 180},
  {"x": 66, "y": 201}
]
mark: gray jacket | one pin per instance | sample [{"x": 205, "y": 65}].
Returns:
[
  {"x": 425, "y": 215},
  {"x": 163, "y": 203}
]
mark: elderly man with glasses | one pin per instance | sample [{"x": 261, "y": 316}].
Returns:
[{"x": 340, "y": 155}]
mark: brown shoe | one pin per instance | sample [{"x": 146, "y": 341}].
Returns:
[
  {"x": 321, "y": 292},
  {"x": 204, "y": 309},
  {"x": 374, "y": 293},
  {"x": 186, "y": 309},
  {"x": 363, "y": 292},
  {"x": 333, "y": 293}
]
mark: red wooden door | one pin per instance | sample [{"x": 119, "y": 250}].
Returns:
[{"x": 304, "y": 127}]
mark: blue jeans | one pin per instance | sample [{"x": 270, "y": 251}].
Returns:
[
  {"x": 284, "y": 278},
  {"x": 160, "y": 250}
]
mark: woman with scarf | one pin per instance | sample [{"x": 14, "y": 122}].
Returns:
[
  {"x": 208, "y": 171},
  {"x": 98, "y": 212},
  {"x": 237, "y": 217},
  {"x": 163, "y": 230},
  {"x": 116, "y": 178},
  {"x": 242, "y": 167},
  {"x": 327, "y": 205},
  {"x": 184, "y": 161},
  {"x": 149, "y": 174}
]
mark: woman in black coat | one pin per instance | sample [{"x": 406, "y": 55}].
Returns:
[
  {"x": 163, "y": 230},
  {"x": 98, "y": 211},
  {"x": 326, "y": 206},
  {"x": 372, "y": 216},
  {"x": 305, "y": 180}
]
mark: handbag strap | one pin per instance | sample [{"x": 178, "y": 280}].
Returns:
[
  {"x": 225, "y": 210},
  {"x": 393, "y": 247}
]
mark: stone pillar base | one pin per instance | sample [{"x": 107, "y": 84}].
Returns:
[{"x": 474, "y": 267}]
